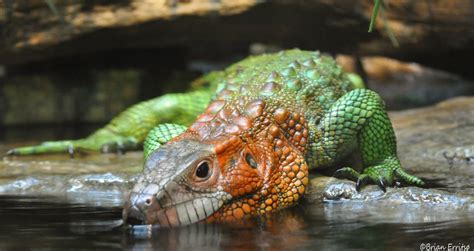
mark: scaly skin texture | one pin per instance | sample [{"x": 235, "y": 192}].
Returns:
[{"x": 263, "y": 123}]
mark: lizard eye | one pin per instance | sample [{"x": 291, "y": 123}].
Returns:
[
  {"x": 250, "y": 160},
  {"x": 203, "y": 172}
]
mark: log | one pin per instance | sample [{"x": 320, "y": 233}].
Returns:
[{"x": 208, "y": 28}]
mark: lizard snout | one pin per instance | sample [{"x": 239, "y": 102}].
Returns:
[{"x": 139, "y": 208}]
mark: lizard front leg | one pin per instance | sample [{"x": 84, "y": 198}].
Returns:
[{"x": 359, "y": 118}]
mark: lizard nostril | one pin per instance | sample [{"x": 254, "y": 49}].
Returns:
[{"x": 148, "y": 201}]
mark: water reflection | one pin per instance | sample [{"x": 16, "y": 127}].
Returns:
[
  {"x": 283, "y": 231},
  {"x": 45, "y": 222}
]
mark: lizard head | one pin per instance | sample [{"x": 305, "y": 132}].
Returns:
[{"x": 223, "y": 168}]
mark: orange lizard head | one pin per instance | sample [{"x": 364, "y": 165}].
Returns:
[{"x": 229, "y": 164}]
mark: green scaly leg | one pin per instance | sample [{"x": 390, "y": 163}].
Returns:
[{"x": 359, "y": 118}]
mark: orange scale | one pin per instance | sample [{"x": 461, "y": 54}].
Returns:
[
  {"x": 215, "y": 106},
  {"x": 268, "y": 201},
  {"x": 301, "y": 189},
  {"x": 279, "y": 143},
  {"x": 243, "y": 122},
  {"x": 274, "y": 130},
  {"x": 291, "y": 123},
  {"x": 296, "y": 116},
  {"x": 280, "y": 115},
  {"x": 246, "y": 208},
  {"x": 297, "y": 137},
  {"x": 235, "y": 113},
  {"x": 238, "y": 213},
  {"x": 278, "y": 181},
  {"x": 305, "y": 181},
  {"x": 224, "y": 113},
  {"x": 290, "y": 158},
  {"x": 302, "y": 142},
  {"x": 295, "y": 168},
  {"x": 232, "y": 129},
  {"x": 248, "y": 189},
  {"x": 205, "y": 117},
  {"x": 278, "y": 152},
  {"x": 255, "y": 109}
]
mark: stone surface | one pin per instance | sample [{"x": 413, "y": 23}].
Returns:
[{"x": 435, "y": 143}]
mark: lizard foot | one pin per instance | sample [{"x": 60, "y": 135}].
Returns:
[
  {"x": 388, "y": 173},
  {"x": 119, "y": 145}
]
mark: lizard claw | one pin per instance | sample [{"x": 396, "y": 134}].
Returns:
[
  {"x": 361, "y": 181},
  {"x": 11, "y": 152},
  {"x": 70, "y": 150},
  {"x": 382, "y": 185},
  {"x": 120, "y": 148}
]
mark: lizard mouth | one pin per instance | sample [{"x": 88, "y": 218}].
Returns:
[{"x": 145, "y": 209}]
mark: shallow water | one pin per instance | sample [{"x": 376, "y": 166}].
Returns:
[{"x": 49, "y": 222}]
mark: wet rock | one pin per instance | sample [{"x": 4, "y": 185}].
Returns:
[
  {"x": 437, "y": 143},
  {"x": 396, "y": 205},
  {"x": 97, "y": 179}
]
